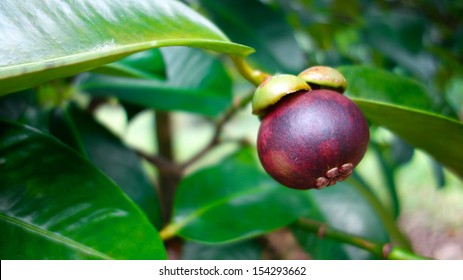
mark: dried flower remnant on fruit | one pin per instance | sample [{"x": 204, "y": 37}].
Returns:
[
  {"x": 321, "y": 182},
  {"x": 335, "y": 175},
  {"x": 332, "y": 173}
]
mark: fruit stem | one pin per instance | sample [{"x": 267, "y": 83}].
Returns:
[
  {"x": 255, "y": 76},
  {"x": 382, "y": 251}
]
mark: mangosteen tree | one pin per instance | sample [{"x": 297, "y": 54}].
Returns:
[{"x": 146, "y": 129}]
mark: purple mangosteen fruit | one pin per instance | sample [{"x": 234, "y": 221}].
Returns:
[{"x": 308, "y": 138}]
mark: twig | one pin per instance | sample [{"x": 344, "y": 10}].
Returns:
[
  {"x": 218, "y": 128},
  {"x": 382, "y": 251},
  {"x": 254, "y": 76},
  {"x": 161, "y": 163},
  {"x": 282, "y": 245}
]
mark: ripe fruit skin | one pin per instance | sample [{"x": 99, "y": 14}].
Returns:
[{"x": 312, "y": 139}]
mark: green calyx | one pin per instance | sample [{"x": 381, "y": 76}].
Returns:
[
  {"x": 272, "y": 89},
  {"x": 324, "y": 77}
]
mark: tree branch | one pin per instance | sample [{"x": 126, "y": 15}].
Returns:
[
  {"x": 161, "y": 163},
  {"x": 254, "y": 76},
  {"x": 219, "y": 124},
  {"x": 167, "y": 181}
]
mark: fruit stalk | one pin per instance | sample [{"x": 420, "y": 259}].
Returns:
[{"x": 254, "y": 76}]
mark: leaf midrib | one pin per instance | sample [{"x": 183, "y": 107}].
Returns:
[
  {"x": 125, "y": 49},
  {"x": 47, "y": 234}
]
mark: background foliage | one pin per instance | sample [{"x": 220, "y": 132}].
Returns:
[{"x": 152, "y": 151}]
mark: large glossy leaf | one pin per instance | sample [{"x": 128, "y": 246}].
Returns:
[
  {"x": 255, "y": 24},
  {"x": 43, "y": 40},
  {"x": 404, "y": 107},
  {"x": 56, "y": 205},
  {"x": 196, "y": 82},
  {"x": 146, "y": 64},
  {"x": 233, "y": 201},
  {"x": 343, "y": 208}
]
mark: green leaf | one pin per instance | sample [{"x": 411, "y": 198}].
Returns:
[
  {"x": 255, "y": 24},
  {"x": 117, "y": 161},
  {"x": 244, "y": 250},
  {"x": 404, "y": 107},
  {"x": 343, "y": 208},
  {"x": 387, "y": 168},
  {"x": 13, "y": 106},
  {"x": 196, "y": 82},
  {"x": 454, "y": 95},
  {"x": 374, "y": 84},
  {"x": 231, "y": 201},
  {"x": 55, "y": 205},
  {"x": 25, "y": 107},
  {"x": 400, "y": 152},
  {"x": 440, "y": 136},
  {"x": 146, "y": 64},
  {"x": 62, "y": 127},
  {"x": 44, "y": 42}
]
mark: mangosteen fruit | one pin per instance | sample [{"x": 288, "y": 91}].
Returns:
[{"x": 308, "y": 138}]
